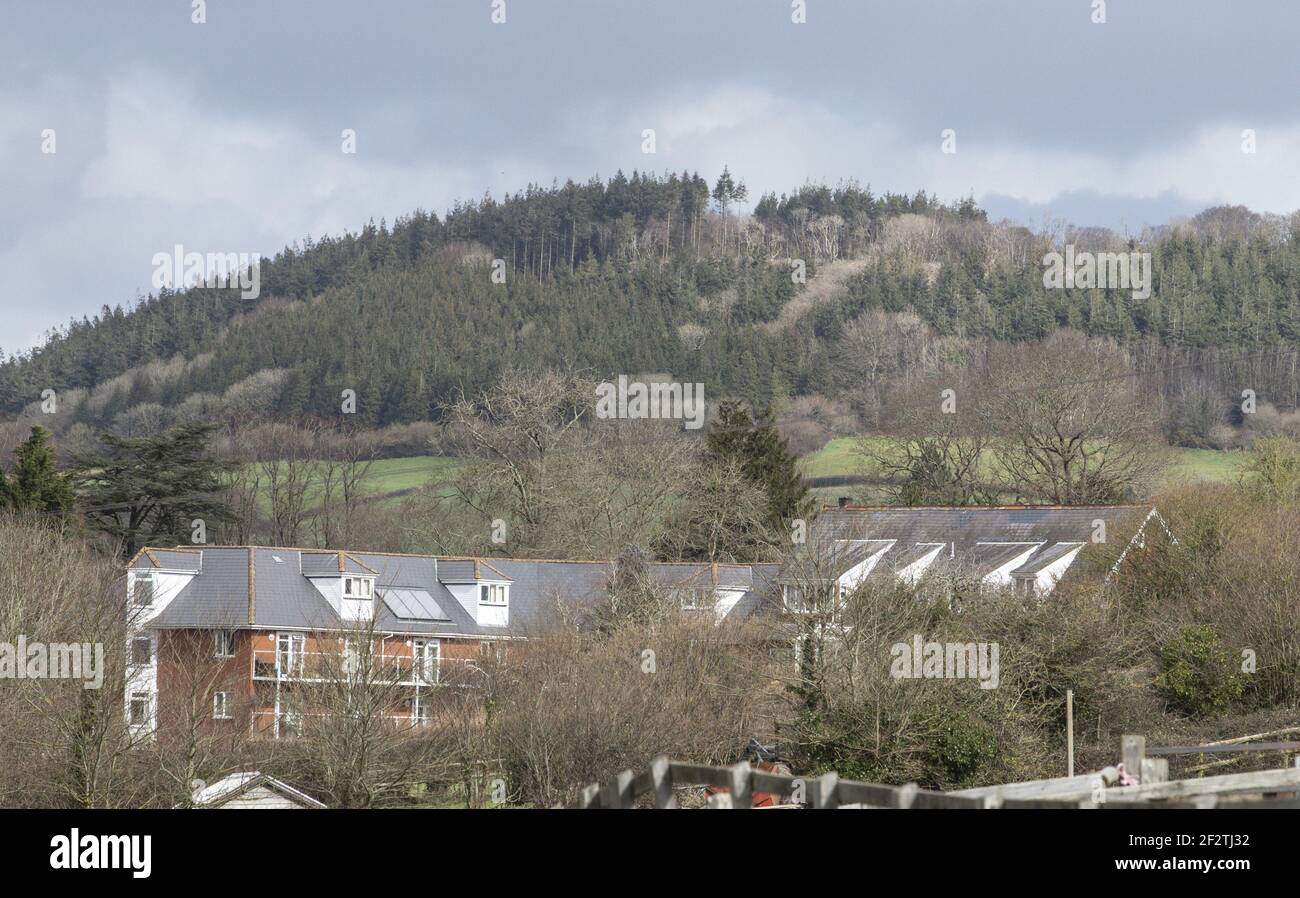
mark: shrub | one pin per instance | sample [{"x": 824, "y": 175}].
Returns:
[{"x": 1198, "y": 676}]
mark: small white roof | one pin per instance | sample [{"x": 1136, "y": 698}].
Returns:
[{"x": 228, "y": 787}]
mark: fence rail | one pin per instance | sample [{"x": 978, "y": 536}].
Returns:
[{"x": 1108, "y": 788}]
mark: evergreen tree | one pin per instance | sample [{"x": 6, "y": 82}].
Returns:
[
  {"x": 36, "y": 484},
  {"x": 150, "y": 489},
  {"x": 753, "y": 442}
]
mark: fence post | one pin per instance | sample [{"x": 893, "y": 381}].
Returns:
[
  {"x": 1132, "y": 749},
  {"x": 1154, "y": 770},
  {"x": 617, "y": 793},
  {"x": 589, "y": 797},
  {"x": 661, "y": 777},
  {"x": 1069, "y": 730},
  {"x": 741, "y": 785}
]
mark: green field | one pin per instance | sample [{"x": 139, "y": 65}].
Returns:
[
  {"x": 390, "y": 479},
  {"x": 839, "y": 458},
  {"x": 394, "y": 475}
]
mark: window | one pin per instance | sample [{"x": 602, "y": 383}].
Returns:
[
  {"x": 805, "y": 600},
  {"x": 795, "y": 599},
  {"x": 698, "y": 599},
  {"x": 225, "y": 640},
  {"x": 351, "y": 658},
  {"x": 221, "y": 706},
  {"x": 139, "y": 708},
  {"x": 420, "y": 709},
  {"x": 141, "y": 650},
  {"x": 357, "y": 587},
  {"x": 143, "y": 592},
  {"x": 425, "y": 656},
  {"x": 289, "y": 657},
  {"x": 492, "y": 594}
]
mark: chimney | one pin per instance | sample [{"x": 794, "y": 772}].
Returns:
[{"x": 844, "y": 501}]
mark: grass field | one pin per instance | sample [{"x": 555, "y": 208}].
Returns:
[
  {"x": 390, "y": 479},
  {"x": 839, "y": 458}
]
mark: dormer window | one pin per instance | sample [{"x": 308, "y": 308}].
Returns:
[
  {"x": 492, "y": 594},
  {"x": 698, "y": 599},
  {"x": 796, "y": 600},
  {"x": 358, "y": 587}
]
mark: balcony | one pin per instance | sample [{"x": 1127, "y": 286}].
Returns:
[{"x": 271, "y": 665}]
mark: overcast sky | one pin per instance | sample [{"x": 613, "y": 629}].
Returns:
[{"x": 226, "y": 136}]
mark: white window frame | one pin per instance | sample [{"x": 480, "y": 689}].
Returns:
[
  {"x": 699, "y": 599},
  {"x": 149, "y": 592},
  {"x": 292, "y": 646},
  {"x": 497, "y": 594},
  {"x": 228, "y": 638},
  {"x": 221, "y": 706},
  {"x": 146, "y": 699},
  {"x": 788, "y": 591},
  {"x": 139, "y": 639},
  {"x": 358, "y": 587},
  {"x": 426, "y": 660}
]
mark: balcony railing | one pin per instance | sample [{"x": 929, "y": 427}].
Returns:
[{"x": 322, "y": 667}]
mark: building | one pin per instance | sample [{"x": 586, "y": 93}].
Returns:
[
  {"x": 252, "y": 790},
  {"x": 1028, "y": 548},
  {"x": 262, "y": 624}
]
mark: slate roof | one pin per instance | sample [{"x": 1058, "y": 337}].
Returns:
[
  {"x": 976, "y": 541},
  {"x": 271, "y": 588},
  {"x": 283, "y": 597},
  {"x": 330, "y": 564},
  {"x": 184, "y": 560}
]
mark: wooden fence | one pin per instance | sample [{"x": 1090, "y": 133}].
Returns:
[{"x": 1104, "y": 789}]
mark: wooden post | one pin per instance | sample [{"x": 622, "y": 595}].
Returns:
[
  {"x": 1069, "y": 730},
  {"x": 1132, "y": 749},
  {"x": 741, "y": 783},
  {"x": 1154, "y": 770},
  {"x": 617, "y": 793},
  {"x": 661, "y": 778},
  {"x": 589, "y": 797}
]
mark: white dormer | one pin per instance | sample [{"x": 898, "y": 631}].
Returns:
[
  {"x": 493, "y": 603},
  {"x": 352, "y": 596},
  {"x": 149, "y": 590},
  {"x": 479, "y": 588}
]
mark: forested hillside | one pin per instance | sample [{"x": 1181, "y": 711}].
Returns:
[{"x": 660, "y": 274}]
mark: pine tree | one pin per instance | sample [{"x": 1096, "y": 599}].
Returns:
[
  {"x": 36, "y": 484},
  {"x": 754, "y": 442}
]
